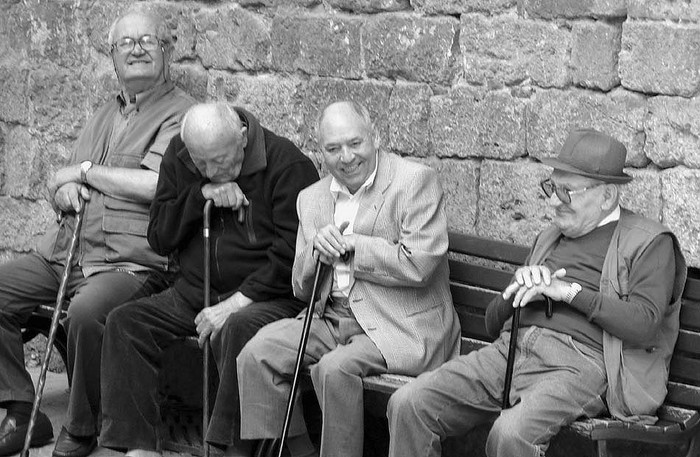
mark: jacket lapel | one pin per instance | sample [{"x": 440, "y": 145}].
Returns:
[{"x": 373, "y": 199}]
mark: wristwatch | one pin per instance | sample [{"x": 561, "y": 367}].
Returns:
[
  {"x": 84, "y": 168},
  {"x": 574, "y": 288}
]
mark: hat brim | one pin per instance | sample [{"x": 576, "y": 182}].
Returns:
[{"x": 613, "y": 179}]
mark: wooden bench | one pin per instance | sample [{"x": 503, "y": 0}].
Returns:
[{"x": 479, "y": 269}]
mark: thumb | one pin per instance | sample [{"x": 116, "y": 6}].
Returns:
[{"x": 560, "y": 273}]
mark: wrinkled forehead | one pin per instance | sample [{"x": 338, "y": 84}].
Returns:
[
  {"x": 337, "y": 125},
  {"x": 134, "y": 26}
]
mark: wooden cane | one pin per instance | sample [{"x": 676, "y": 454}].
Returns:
[
  {"x": 207, "y": 303},
  {"x": 58, "y": 309},
  {"x": 512, "y": 346}
]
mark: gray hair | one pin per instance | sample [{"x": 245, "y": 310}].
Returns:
[
  {"x": 223, "y": 112},
  {"x": 358, "y": 108},
  {"x": 163, "y": 31}
]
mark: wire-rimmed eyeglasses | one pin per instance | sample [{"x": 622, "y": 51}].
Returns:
[
  {"x": 564, "y": 194},
  {"x": 125, "y": 45}
]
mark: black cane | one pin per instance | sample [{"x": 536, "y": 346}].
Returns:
[
  {"x": 300, "y": 358},
  {"x": 53, "y": 329},
  {"x": 207, "y": 303},
  {"x": 511, "y": 357}
]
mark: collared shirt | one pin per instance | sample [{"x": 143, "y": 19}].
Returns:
[
  {"x": 346, "y": 206},
  {"x": 612, "y": 217}
]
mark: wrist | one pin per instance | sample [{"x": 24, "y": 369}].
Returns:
[
  {"x": 85, "y": 166},
  {"x": 572, "y": 290}
]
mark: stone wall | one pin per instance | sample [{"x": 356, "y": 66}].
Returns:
[{"x": 478, "y": 89}]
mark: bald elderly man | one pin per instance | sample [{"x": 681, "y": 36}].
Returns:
[{"x": 253, "y": 177}]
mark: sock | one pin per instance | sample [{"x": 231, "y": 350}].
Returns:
[{"x": 22, "y": 410}]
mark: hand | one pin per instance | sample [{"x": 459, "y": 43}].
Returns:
[
  {"x": 63, "y": 176},
  {"x": 211, "y": 320},
  {"x": 67, "y": 197},
  {"x": 225, "y": 195},
  {"x": 534, "y": 281},
  {"x": 331, "y": 244}
]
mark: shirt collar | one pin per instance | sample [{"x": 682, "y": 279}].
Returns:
[
  {"x": 612, "y": 217},
  {"x": 135, "y": 101},
  {"x": 338, "y": 187}
]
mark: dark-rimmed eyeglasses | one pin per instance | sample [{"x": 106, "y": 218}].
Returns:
[
  {"x": 564, "y": 194},
  {"x": 125, "y": 45}
]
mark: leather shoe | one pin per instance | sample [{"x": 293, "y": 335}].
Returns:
[
  {"x": 12, "y": 434},
  {"x": 68, "y": 445}
]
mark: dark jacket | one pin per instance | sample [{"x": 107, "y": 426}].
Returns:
[{"x": 254, "y": 257}]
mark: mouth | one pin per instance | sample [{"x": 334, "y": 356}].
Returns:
[{"x": 351, "y": 169}]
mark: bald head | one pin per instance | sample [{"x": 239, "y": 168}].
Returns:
[{"x": 215, "y": 138}]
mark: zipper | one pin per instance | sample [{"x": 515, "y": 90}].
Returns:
[{"x": 252, "y": 238}]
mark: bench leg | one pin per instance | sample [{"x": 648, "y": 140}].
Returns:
[
  {"x": 600, "y": 448},
  {"x": 693, "y": 447}
]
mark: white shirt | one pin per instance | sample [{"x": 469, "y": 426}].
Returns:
[
  {"x": 614, "y": 216},
  {"x": 346, "y": 206}
]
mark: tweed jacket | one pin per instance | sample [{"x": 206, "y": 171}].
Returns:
[{"x": 401, "y": 296}]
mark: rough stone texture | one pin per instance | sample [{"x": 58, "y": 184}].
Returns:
[
  {"x": 21, "y": 151},
  {"x": 370, "y": 6},
  {"x": 14, "y": 102},
  {"x": 462, "y": 6},
  {"x": 511, "y": 205},
  {"x": 673, "y": 131},
  {"x": 460, "y": 181},
  {"x": 409, "y": 112},
  {"x": 193, "y": 77},
  {"x": 475, "y": 123},
  {"x": 14, "y": 30},
  {"x": 658, "y": 57},
  {"x": 680, "y": 213},
  {"x": 277, "y": 3},
  {"x": 554, "y": 113},
  {"x": 688, "y": 10},
  {"x": 229, "y": 37},
  {"x": 643, "y": 194},
  {"x": 596, "y": 46},
  {"x": 21, "y": 222},
  {"x": 276, "y": 101},
  {"x": 554, "y": 9},
  {"x": 322, "y": 91},
  {"x": 401, "y": 46},
  {"x": 324, "y": 45},
  {"x": 509, "y": 50}
]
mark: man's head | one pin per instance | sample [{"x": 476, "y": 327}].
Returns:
[
  {"x": 583, "y": 186},
  {"x": 348, "y": 143},
  {"x": 141, "y": 47},
  {"x": 216, "y": 138}
]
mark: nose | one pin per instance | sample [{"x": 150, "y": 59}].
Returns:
[
  {"x": 138, "y": 50},
  {"x": 346, "y": 156},
  {"x": 554, "y": 200}
]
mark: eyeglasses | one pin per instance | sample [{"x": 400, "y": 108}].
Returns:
[
  {"x": 125, "y": 45},
  {"x": 549, "y": 187}
]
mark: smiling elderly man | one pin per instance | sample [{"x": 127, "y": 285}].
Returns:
[
  {"x": 615, "y": 279},
  {"x": 114, "y": 168}
]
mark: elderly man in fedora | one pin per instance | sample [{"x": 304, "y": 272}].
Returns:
[{"x": 614, "y": 279}]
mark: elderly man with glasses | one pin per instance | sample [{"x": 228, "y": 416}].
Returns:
[
  {"x": 114, "y": 170},
  {"x": 615, "y": 281}
]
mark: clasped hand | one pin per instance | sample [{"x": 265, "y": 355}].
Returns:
[
  {"x": 331, "y": 244},
  {"x": 225, "y": 194},
  {"x": 211, "y": 320},
  {"x": 533, "y": 282}
]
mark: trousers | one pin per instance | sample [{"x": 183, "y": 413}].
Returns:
[
  {"x": 136, "y": 335},
  {"x": 556, "y": 380},
  {"x": 30, "y": 281},
  {"x": 339, "y": 354}
]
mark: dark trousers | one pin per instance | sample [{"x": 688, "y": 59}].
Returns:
[
  {"x": 136, "y": 335},
  {"x": 30, "y": 281}
]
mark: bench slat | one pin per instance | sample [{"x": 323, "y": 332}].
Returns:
[
  {"x": 471, "y": 296},
  {"x": 685, "y": 368},
  {"x": 476, "y": 275},
  {"x": 690, "y": 316},
  {"x": 488, "y": 248}
]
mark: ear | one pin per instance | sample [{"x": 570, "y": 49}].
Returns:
[
  {"x": 244, "y": 134},
  {"x": 610, "y": 196}
]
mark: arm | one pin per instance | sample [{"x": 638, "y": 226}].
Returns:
[
  {"x": 125, "y": 183},
  {"x": 422, "y": 239}
]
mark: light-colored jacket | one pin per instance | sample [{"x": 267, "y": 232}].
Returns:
[{"x": 401, "y": 295}]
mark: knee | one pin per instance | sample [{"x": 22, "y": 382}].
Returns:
[
  {"x": 252, "y": 354},
  {"x": 122, "y": 318},
  {"x": 82, "y": 317},
  {"x": 506, "y": 433},
  {"x": 403, "y": 403}
]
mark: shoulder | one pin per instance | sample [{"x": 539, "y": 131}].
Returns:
[
  {"x": 175, "y": 102},
  {"x": 632, "y": 222},
  {"x": 316, "y": 190}
]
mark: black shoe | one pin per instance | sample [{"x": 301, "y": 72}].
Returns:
[
  {"x": 12, "y": 434},
  {"x": 68, "y": 445}
]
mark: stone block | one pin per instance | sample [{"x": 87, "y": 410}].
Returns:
[
  {"x": 660, "y": 57},
  {"x": 192, "y": 78},
  {"x": 279, "y": 3},
  {"x": 232, "y": 38},
  {"x": 511, "y": 205},
  {"x": 409, "y": 111},
  {"x": 596, "y": 46},
  {"x": 21, "y": 153},
  {"x": 509, "y": 50},
  {"x": 681, "y": 212},
  {"x": 676, "y": 11},
  {"x": 673, "y": 131},
  {"x": 402, "y": 46},
  {"x": 552, "y": 114},
  {"x": 460, "y": 181},
  {"x": 15, "y": 27},
  {"x": 275, "y": 100},
  {"x": 473, "y": 123},
  {"x": 22, "y": 222},
  {"x": 14, "y": 100},
  {"x": 323, "y": 45},
  {"x": 462, "y": 6},
  {"x": 374, "y": 95},
  {"x": 96, "y": 19},
  {"x": 370, "y": 6},
  {"x": 554, "y": 9},
  {"x": 643, "y": 194}
]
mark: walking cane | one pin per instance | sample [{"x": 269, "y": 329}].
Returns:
[
  {"x": 207, "y": 303},
  {"x": 53, "y": 329},
  {"x": 511, "y": 357},
  {"x": 300, "y": 357}
]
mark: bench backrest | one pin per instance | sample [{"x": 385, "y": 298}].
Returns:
[{"x": 488, "y": 269}]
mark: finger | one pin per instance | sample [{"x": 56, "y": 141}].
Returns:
[
  {"x": 528, "y": 295},
  {"x": 518, "y": 297},
  {"x": 546, "y": 276},
  {"x": 536, "y": 275},
  {"x": 527, "y": 279},
  {"x": 519, "y": 276},
  {"x": 560, "y": 273},
  {"x": 510, "y": 290}
]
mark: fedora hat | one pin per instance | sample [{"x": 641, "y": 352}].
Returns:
[{"x": 593, "y": 154}]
